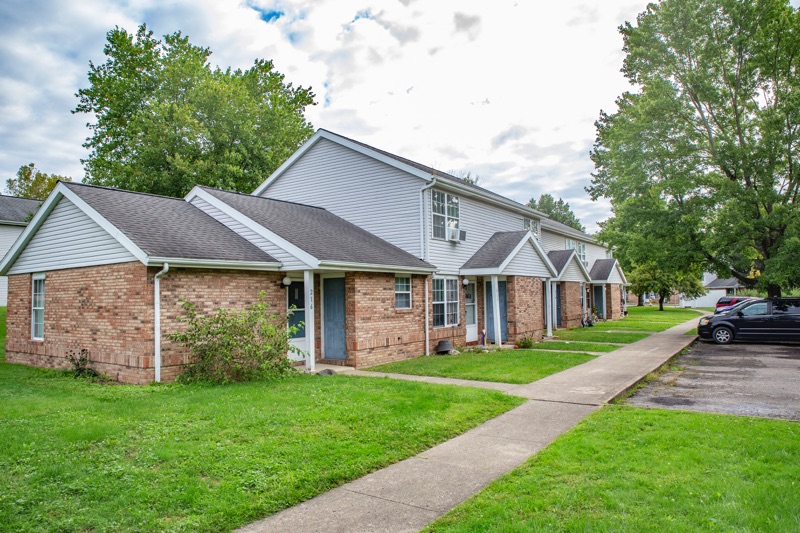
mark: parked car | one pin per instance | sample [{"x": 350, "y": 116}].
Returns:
[
  {"x": 755, "y": 319},
  {"x": 728, "y": 302}
]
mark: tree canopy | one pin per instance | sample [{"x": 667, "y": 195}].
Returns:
[
  {"x": 33, "y": 183},
  {"x": 557, "y": 210},
  {"x": 166, "y": 121},
  {"x": 700, "y": 161}
]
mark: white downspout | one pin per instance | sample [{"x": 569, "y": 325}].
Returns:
[
  {"x": 427, "y": 324},
  {"x": 424, "y": 220},
  {"x": 498, "y": 332},
  {"x": 157, "y": 321},
  {"x": 604, "y": 302}
]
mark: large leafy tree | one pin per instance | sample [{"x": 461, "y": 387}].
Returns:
[
  {"x": 166, "y": 121},
  {"x": 557, "y": 210},
  {"x": 33, "y": 183},
  {"x": 700, "y": 162}
]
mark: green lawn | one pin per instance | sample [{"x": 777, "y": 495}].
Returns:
[
  {"x": 570, "y": 346},
  {"x": 78, "y": 456},
  {"x": 505, "y": 366},
  {"x": 630, "y": 470},
  {"x": 597, "y": 335}
]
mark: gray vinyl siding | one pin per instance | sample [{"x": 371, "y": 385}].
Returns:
[
  {"x": 368, "y": 193},
  {"x": 68, "y": 238},
  {"x": 479, "y": 220},
  {"x": 614, "y": 277},
  {"x": 573, "y": 272},
  {"x": 527, "y": 263},
  {"x": 594, "y": 252},
  {"x": 553, "y": 241},
  {"x": 288, "y": 261},
  {"x": 8, "y": 234}
]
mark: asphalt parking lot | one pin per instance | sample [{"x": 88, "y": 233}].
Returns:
[{"x": 740, "y": 379}]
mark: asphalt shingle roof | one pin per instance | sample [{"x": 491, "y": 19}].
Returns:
[
  {"x": 563, "y": 228},
  {"x": 495, "y": 250},
  {"x": 559, "y": 258},
  {"x": 319, "y": 232},
  {"x": 13, "y": 209},
  {"x": 168, "y": 227},
  {"x": 601, "y": 269},
  {"x": 729, "y": 283}
]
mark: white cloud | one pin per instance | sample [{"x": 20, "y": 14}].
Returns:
[{"x": 507, "y": 90}]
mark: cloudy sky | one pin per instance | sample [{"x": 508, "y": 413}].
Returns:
[{"x": 507, "y": 90}]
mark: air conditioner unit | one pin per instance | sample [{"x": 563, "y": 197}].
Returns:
[
  {"x": 462, "y": 235},
  {"x": 456, "y": 235}
]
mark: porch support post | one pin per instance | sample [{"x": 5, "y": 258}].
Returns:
[
  {"x": 554, "y": 303},
  {"x": 605, "y": 302},
  {"x": 308, "y": 283},
  {"x": 548, "y": 297},
  {"x": 427, "y": 317},
  {"x": 498, "y": 333}
]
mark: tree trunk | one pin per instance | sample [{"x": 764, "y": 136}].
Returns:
[
  {"x": 660, "y": 302},
  {"x": 640, "y": 303},
  {"x": 774, "y": 291}
]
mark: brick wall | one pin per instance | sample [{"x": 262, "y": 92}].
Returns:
[
  {"x": 614, "y": 294},
  {"x": 376, "y": 331},
  {"x": 571, "y": 310},
  {"x": 108, "y": 310},
  {"x": 525, "y": 309}
]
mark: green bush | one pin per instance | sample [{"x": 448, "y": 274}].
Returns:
[
  {"x": 525, "y": 342},
  {"x": 235, "y": 345}
]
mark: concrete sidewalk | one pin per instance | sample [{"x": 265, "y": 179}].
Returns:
[{"x": 408, "y": 495}]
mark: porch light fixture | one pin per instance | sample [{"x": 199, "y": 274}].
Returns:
[
  {"x": 286, "y": 281},
  {"x": 465, "y": 282}
]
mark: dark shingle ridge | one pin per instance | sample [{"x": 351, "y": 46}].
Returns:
[
  {"x": 495, "y": 250},
  {"x": 601, "y": 268},
  {"x": 16, "y": 209},
  {"x": 163, "y": 226}
]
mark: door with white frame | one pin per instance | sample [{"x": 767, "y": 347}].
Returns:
[{"x": 471, "y": 304}]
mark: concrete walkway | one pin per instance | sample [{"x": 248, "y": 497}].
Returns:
[{"x": 411, "y": 494}]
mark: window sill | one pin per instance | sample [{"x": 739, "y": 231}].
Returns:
[{"x": 401, "y": 311}]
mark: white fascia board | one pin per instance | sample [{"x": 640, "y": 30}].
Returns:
[
  {"x": 621, "y": 273},
  {"x": 218, "y": 264},
  {"x": 62, "y": 191},
  {"x": 479, "y": 272},
  {"x": 363, "y": 267},
  {"x": 539, "y": 251},
  {"x": 299, "y": 253},
  {"x": 561, "y": 274},
  {"x": 574, "y": 257}
]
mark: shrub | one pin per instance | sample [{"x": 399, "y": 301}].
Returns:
[
  {"x": 235, "y": 345},
  {"x": 525, "y": 342},
  {"x": 79, "y": 361}
]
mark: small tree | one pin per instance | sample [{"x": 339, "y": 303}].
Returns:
[
  {"x": 664, "y": 283},
  {"x": 233, "y": 345},
  {"x": 33, "y": 183},
  {"x": 557, "y": 210}
]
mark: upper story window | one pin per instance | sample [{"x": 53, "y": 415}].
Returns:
[
  {"x": 445, "y": 215},
  {"x": 402, "y": 292},
  {"x": 534, "y": 226},
  {"x": 580, "y": 249},
  {"x": 37, "y": 307}
]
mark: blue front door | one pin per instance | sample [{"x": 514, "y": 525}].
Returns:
[
  {"x": 333, "y": 318},
  {"x": 501, "y": 285},
  {"x": 599, "y": 301}
]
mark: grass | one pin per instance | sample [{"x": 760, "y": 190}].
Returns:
[
  {"x": 570, "y": 346},
  {"x": 597, "y": 335},
  {"x": 625, "y": 469},
  {"x": 505, "y": 366},
  {"x": 78, "y": 456}
]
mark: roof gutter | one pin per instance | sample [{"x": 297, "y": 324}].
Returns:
[
  {"x": 205, "y": 263},
  {"x": 364, "y": 267},
  {"x": 157, "y": 321}
]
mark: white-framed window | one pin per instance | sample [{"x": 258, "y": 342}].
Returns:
[
  {"x": 534, "y": 226},
  {"x": 580, "y": 249},
  {"x": 445, "y": 302},
  {"x": 445, "y": 209},
  {"x": 402, "y": 292},
  {"x": 37, "y": 307},
  {"x": 296, "y": 305}
]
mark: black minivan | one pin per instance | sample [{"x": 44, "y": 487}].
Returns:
[{"x": 770, "y": 319}]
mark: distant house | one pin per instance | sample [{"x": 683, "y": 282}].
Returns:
[
  {"x": 14, "y": 216},
  {"x": 715, "y": 289},
  {"x": 380, "y": 257}
]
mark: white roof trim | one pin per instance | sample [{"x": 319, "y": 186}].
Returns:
[
  {"x": 340, "y": 265},
  {"x": 414, "y": 171},
  {"x": 574, "y": 257},
  {"x": 62, "y": 191},
  {"x": 288, "y": 247},
  {"x": 621, "y": 275},
  {"x": 499, "y": 270},
  {"x": 220, "y": 263}
]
